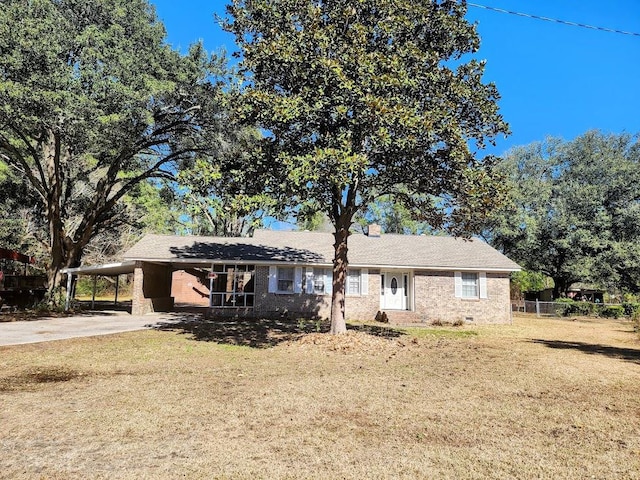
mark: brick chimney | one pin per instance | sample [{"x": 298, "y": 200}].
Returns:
[{"x": 374, "y": 230}]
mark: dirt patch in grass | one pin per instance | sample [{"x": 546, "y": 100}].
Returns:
[
  {"x": 32, "y": 377},
  {"x": 542, "y": 398}
]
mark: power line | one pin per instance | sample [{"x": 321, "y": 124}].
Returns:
[{"x": 555, "y": 20}]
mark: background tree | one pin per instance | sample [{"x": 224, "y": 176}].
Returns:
[
  {"x": 392, "y": 216},
  {"x": 221, "y": 194},
  {"x": 92, "y": 104},
  {"x": 19, "y": 215},
  {"x": 575, "y": 214},
  {"x": 369, "y": 98}
]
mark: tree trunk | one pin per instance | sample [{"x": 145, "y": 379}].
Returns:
[
  {"x": 340, "y": 263},
  {"x": 65, "y": 256},
  {"x": 560, "y": 286}
]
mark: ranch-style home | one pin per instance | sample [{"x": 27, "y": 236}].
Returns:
[{"x": 411, "y": 278}]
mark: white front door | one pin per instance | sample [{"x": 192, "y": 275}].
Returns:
[{"x": 393, "y": 295}]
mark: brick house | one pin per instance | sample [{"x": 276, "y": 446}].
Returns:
[{"x": 411, "y": 278}]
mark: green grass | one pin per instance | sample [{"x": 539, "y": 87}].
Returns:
[{"x": 454, "y": 332}]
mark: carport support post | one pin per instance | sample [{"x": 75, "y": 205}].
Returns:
[
  {"x": 93, "y": 293},
  {"x": 68, "y": 299},
  {"x": 115, "y": 301},
  {"x": 211, "y": 287}
]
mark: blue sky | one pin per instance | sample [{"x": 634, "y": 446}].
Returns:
[{"x": 554, "y": 79}]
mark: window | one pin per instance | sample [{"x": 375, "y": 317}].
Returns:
[
  {"x": 318, "y": 281},
  {"x": 286, "y": 276},
  {"x": 353, "y": 282},
  {"x": 231, "y": 285},
  {"x": 469, "y": 285}
]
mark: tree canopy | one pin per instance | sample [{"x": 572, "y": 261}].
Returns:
[
  {"x": 92, "y": 103},
  {"x": 369, "y": 98},
  {"x": 575, "y": 214}
]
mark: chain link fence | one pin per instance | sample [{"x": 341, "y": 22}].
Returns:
[{"x": 563, "y": 308}]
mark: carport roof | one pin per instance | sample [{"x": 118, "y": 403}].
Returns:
[{"x": 107, "y": 270}]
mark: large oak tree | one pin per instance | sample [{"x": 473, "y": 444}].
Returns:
[
  {"x": 363, "y": 98},
  {"x": 92, "y": 103},
  {"x": 575, "y": 210}
]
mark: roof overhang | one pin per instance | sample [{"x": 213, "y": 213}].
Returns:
[
  {"x": 178, "y": 263},
  {"x": 108, "y": 269}
]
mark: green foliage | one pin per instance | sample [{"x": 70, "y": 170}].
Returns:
[
  {"x": 84, "y": 287},
  {"x": 566, "y": 307},
  {"x": 364, "y": 99},
  {"x": 526, "y": 281},
  {"x": 19, "y": 215},
  {"x": 92, "y": 104},
  {"x": 631, "y": 310},
  {"x": 224, "y": 195},
  {"x": 575, "y": 210},
  {"x": 393, "y": 217},
  {"x": 612, "y": 311}
]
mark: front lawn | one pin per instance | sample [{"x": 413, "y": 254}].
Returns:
[{"x": 542, "y": 398}]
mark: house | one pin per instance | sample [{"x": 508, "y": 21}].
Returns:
[{"x": 411, "y": 278}]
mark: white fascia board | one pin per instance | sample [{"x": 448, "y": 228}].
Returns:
[
  {"x": 106, "y": 269},
  {"x": 437, "y": 268}
]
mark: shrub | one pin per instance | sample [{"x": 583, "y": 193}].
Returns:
[
  {"x": 566, "y": 307},
  {"x": 612, "y": 311},
  {"x": 631, "y": 310}
]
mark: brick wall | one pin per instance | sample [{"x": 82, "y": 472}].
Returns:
[
  {"x": 151, "y": 289},
  {"x": 365, "y": 307},
  {"x": 435, "y": 299},
  {"x": 296, "y": 303},
  {"x": 357, "y": 307},
  {"x": 189, "y": 288}
]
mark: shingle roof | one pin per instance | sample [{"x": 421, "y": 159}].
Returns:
[{"x": 411, "y": 251}]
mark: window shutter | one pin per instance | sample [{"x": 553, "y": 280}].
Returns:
[
  {"x": 273, "y": 279},
  {"x": 328, "y": 281},
  {"x": 483, "y": 285},
  {"x": 297, "y": 280},
  {"x": 364, "y": 281},
  {"x": 458, "y": 284},
  {"x": 310, "y": 280}
]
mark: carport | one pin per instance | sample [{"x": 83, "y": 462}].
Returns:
[
  {"x": 151, "y": 283},
  {"x": 106, "y": 270}
]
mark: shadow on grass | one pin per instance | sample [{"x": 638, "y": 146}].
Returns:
[
  {"x": 377, "y": 331},
  {"x": 259, "y": 332},
  {"x": 249, "y": 332},
  {"x": 627, "y": 354}
]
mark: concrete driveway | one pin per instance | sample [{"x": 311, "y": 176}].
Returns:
[{"x": 86, "y": 325}]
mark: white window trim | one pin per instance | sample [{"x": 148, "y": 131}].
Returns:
[
  {"x": 273, "y": 280},
  {"x": 310, "y": 278},
  {"x": 482, "y": 286},
  {"x": 364, "y": 283}
]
